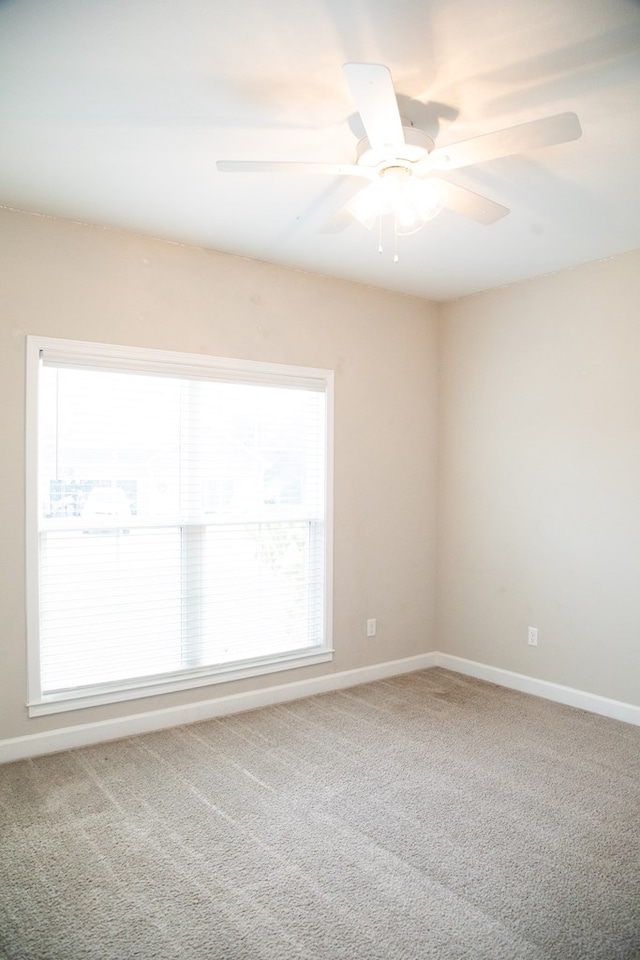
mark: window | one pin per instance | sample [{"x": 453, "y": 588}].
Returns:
[{"x": 178, "y": 521}]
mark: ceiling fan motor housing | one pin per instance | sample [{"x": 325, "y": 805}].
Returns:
[{"x": 417, "y": 146}]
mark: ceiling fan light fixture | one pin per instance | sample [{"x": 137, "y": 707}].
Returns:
[
  {"x": 397, "y": 191},
  {"x": 366, "y": 206},
  {"x": 421, "y": 201}
]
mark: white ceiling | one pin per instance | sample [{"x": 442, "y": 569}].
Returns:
[{"x": 114, "y": 112}]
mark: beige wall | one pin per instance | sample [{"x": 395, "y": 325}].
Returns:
[
  {"x": 539, "y": 485},
  {"x": 67, "y": 280}
]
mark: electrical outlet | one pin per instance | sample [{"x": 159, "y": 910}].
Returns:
[
  {"x": 371, "y": 627},
  {"x": 532, "y": 636}
]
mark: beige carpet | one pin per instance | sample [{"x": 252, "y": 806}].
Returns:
[{"x": 427, "y": 816}]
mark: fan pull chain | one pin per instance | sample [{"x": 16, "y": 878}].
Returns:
[{"x": 396, "y": 258}]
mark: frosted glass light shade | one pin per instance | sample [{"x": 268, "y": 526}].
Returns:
[{"x": 397, "y": 191}]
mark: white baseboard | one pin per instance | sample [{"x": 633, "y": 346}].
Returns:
[
  {"x": 82, "y": 735},
  {"x": 571, "y": 697}
]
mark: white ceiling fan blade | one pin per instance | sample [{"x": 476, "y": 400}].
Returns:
[
  {"x": 294, "y": 166},
  {"x": 470, "y": 204},
  {"x": 546, "y": 132},
  {"x": 371, "y": 87}
]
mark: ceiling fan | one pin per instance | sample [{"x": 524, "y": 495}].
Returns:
[{"x": 403, "y": 163}]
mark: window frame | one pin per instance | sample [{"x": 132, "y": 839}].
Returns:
[{"x": 101, "y": 355}]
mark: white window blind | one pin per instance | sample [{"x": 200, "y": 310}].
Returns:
[{"x": 180, "y": 517}]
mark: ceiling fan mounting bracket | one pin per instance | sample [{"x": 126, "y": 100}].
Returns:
[{"x": 417, "y": 146}]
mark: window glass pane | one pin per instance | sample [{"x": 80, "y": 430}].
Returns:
[
  {"x": 257, "y": 593},
  {"x": 109, "y": 444},
  {"x": 110, "y": 605},
  {"x": 255, "y": 451}
]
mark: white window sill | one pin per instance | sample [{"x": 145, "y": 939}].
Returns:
[{"x": 148, "y": 687}]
